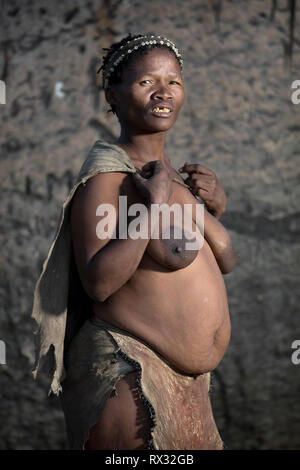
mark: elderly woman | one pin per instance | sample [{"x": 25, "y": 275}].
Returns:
[{"x": 137, "y": 369}]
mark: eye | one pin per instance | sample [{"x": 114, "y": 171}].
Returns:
[
  {"x": 174, "y": 81},
  {"x": 146, "y": 80}
]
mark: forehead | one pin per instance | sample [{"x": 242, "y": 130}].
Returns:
[{"x": 155, "y": 60}]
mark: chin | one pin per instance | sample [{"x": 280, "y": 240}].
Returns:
[{"x": 162, "y": 127}]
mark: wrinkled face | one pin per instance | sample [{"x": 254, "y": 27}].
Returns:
[{"x": 151, "y": 93}]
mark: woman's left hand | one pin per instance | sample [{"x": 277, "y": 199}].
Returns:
[{"x": 204, "y": 183}]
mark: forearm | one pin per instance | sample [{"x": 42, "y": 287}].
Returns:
[
  {"x": 220, "y": 242},
  {"x": 115, "y": 263}
]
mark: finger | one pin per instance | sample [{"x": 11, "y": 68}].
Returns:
[
  {"x": 137, "y": 177},
  {"x": 201, "y": 178},
  {"x": 151, "y": 168},
  {"x": 205, "y": 195},
  {"x": 158, "y": 167},
  {"x": 140, "y": 178},
  {"x": 204, "y": 192},
  {"x": 195, "y": 168},
  {"x": 205, "y": 186},
  {"x": 200, "y": 182},
  {"x": 201, "y": 193},
  {"x": 150, "y": 165}
]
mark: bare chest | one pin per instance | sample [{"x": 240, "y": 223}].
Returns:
[{"x": 173, "y": 243}]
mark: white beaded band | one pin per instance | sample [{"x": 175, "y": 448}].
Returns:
[{"x": 132, "y": 46}]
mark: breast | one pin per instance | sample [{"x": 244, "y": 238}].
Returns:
[
  {"x": 173, "y": 252},
  {"x": 176, "y": 242}
]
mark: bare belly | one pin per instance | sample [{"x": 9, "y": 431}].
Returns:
[{"x": 182, "y": 314}]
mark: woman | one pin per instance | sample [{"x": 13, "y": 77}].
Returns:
[{"x": 137, "y": 372}]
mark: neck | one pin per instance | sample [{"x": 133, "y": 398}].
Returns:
[{"x": 143, "y": 148}]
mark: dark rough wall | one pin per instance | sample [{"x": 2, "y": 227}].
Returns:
[{"x": 238, "y": 119}]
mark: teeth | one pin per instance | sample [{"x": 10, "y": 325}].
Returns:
[{"x": 162, "y": 110}]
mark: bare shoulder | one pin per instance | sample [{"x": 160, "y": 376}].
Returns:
[{"x": 101, "y": 186}]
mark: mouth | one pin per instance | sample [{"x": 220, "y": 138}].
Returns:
[{"x": 162, "y": 110}]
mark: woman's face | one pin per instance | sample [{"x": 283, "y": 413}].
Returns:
[{"x": 151, "y": 82}]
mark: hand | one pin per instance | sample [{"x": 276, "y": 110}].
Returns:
[
  {"x": 204, "y": 183},
  {"x": 154, "y": 182}
]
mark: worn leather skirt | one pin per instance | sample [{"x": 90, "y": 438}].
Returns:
[{"x": 178, "y": 404}]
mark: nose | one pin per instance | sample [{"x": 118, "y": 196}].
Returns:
[{"x": 163, "y": 93}]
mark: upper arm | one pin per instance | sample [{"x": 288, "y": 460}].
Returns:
[{"x": 103, "y": 188}]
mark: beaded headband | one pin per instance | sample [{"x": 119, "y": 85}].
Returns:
[{"x": 131, "y": 46}]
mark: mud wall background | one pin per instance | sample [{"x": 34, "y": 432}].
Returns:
[{"x": 240, "y": 58}]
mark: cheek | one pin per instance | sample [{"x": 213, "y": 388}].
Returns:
[
  {"x": 134, "y": 100},
  {"x": 181, "y": 97},
  {"x": 137, "y": 106}
]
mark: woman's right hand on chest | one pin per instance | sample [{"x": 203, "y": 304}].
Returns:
[{"x": 153, "y": 183}]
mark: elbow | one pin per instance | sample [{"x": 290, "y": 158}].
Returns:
[
  {"x": 98, "y": 293},
  {"x": 227, "y": 266},
  {"x": 227, "y": 259},
  {"x": 100, "y": 286},
  {"x": 101, "y": 290}
]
